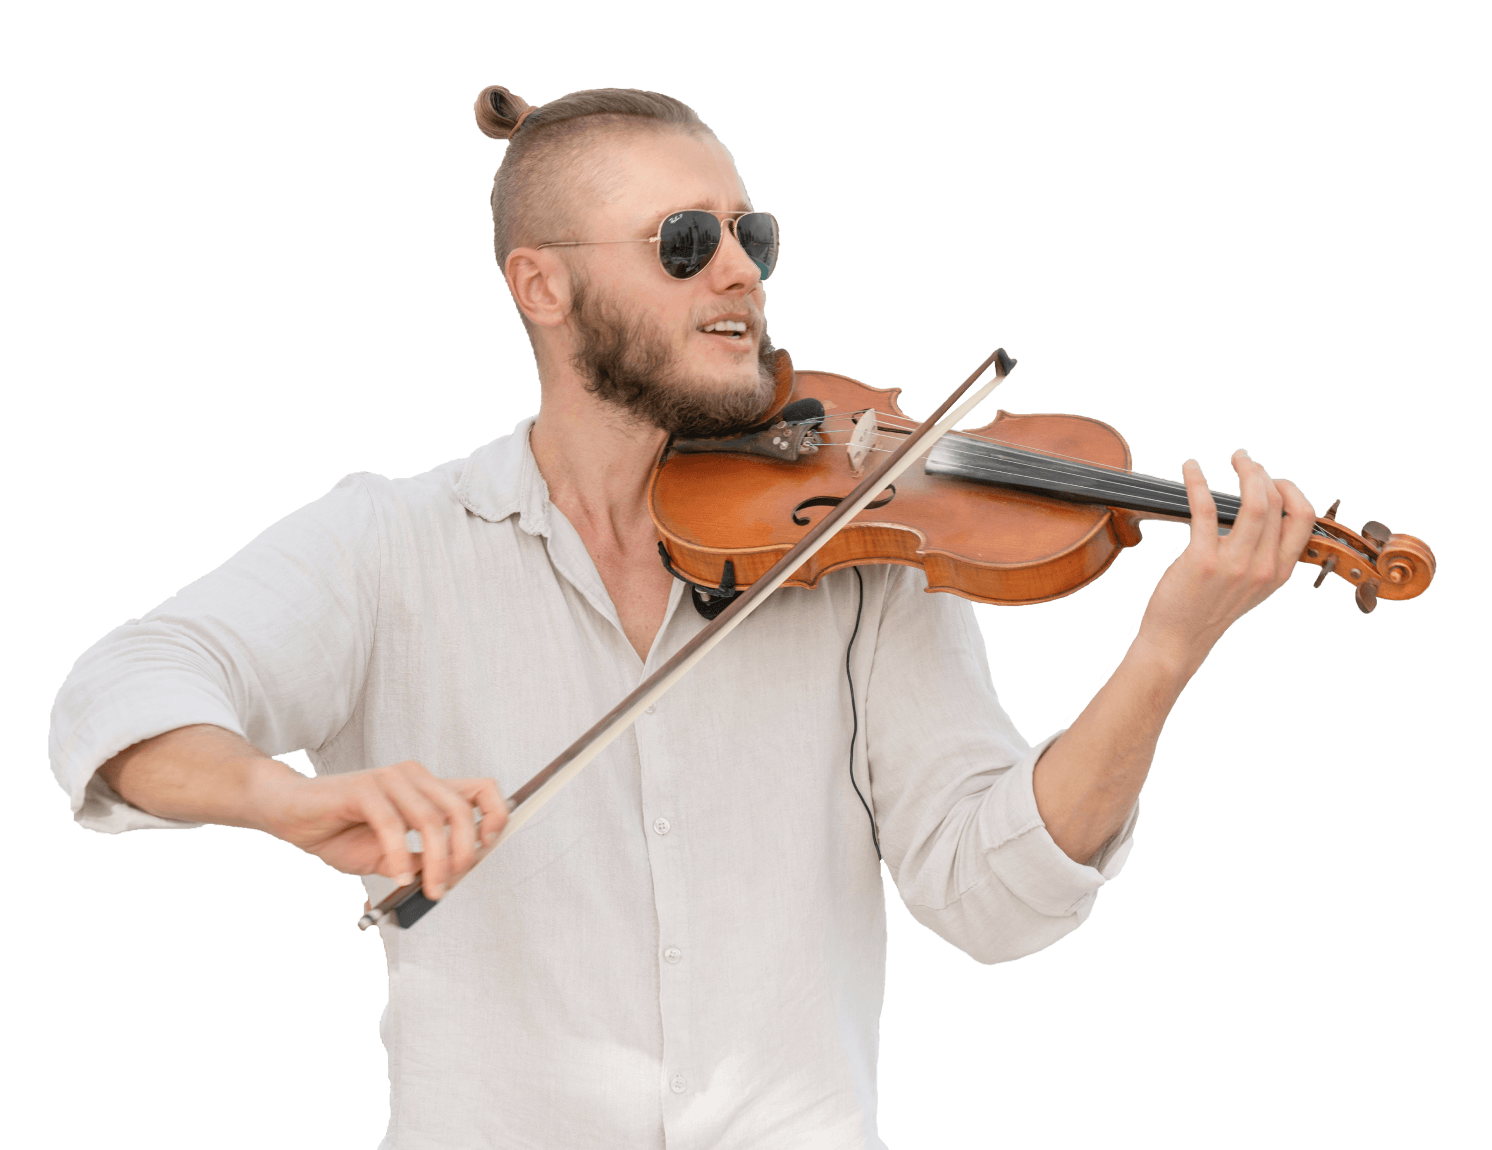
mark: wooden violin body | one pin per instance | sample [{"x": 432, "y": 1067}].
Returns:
[{"x": 726, "y": 516}]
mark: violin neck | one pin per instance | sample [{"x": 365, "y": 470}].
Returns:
[{"x": 1002, "y": 465}]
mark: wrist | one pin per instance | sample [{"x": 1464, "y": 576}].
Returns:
[
  {"x": 1165, "y": 659},
  {"x": 265, "y": 793}
]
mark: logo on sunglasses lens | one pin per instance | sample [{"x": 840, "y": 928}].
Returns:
[{"x": 674, "y": 219}]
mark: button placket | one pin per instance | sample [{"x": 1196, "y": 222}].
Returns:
[{"x": 664, "y": 804}]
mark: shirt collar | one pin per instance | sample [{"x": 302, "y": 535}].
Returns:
[{"x": 502, "y": 479}]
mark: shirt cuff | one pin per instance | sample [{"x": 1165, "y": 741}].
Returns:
[
  {"x": 103, "y": 810},
  {"x": 110, "y": 729},
  {"x": 1024, "y": 857}
]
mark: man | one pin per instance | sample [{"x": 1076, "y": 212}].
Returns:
[{"x": 688, "y": 945}]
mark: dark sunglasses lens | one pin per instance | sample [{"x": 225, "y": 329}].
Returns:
[
  {"x": 686, "y": 241},
  {"x": 757, "y": 232}
]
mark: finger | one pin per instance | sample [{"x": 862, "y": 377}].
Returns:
[
  {"x": 1269, "y": 537},
  {"x": 484, "y": 795},
  {"x": 1243, "y": 539},
  {"x": 1203, "y": 508},
  {"x": 374, "y": 809},
  {"x": 1300, "y": 518},
  {"x": 456, "y": 830},
  {"x": 462, "y": 840},
  {"x": 424, "y": 816}
]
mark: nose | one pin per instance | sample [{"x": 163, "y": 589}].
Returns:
[{"x": 732, "y": 270}]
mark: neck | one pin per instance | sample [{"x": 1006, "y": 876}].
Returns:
[{"x": 595, "y": 459}]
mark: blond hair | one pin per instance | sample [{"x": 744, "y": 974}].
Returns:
[{"x": 549, "y": 152}]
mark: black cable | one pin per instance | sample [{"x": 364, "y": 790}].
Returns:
[{"x": 855, "y": 715}]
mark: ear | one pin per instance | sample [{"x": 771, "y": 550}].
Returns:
[{"x": 541, "y": 285}]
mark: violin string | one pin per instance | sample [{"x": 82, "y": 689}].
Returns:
[
  {"x": 1085, "y": 492},
  {"x": 976, "y": 443},
  {"x": 1163, "y": 498},
  {"x": 1044, "y": 465},
  {"x": 1048, "y": 457},
  {"x": 1125, "y": 483},
  {"x": 1040, "y": 467},
  {"x": 1092, "y": 477},
  {"x": 1121, "y": 476},
  {"x": 1139, "y": 497},
  {"x": 1056, "y": 464},
  {"x": 1069, "y": 467}
]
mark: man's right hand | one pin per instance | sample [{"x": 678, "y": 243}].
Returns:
[{"x": 356, "y": 822}]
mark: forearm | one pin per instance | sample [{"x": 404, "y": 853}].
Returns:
[
  {"x": 198, "y": 774},
  {"x": 1088, "y": 780},
  {"x": 356, "y": 822}
]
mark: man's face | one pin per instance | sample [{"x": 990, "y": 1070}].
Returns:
[{"x": 641, "y": 336}]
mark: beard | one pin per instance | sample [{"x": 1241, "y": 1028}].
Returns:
[{"x": 628, "y": 362}]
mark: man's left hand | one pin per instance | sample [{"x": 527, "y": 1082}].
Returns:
[{"x": 1218, "y": 579}]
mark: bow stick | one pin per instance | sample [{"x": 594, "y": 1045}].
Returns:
[{"x": 406, "y": 905}]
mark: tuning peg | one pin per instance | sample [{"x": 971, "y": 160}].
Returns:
[
  {"x": 1375, "y": 531},
  {"x": 1331, "y": 512},
  {"x": 1326, "y": 569},
  {"x": 1367, "y": 595}
]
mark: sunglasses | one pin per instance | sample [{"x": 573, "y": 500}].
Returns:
[{"x": 688, "y": 240}]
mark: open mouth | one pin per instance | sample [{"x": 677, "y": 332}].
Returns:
[{"x": 726, "y": 328}]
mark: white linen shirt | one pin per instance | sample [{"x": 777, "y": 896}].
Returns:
[{"x": 687, "y": 945}]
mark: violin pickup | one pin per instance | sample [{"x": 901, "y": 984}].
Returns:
[{"x": 862, "y": 442}]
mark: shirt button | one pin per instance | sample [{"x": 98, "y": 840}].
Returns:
[
  {"x": 678, "y": 1084},
  {"x": 662, "y": 826},
  {"x": 673, "y": 954},
  {"x": 651, "y": 708}
]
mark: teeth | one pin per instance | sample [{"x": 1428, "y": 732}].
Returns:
[{"x": 726, "y": 325}]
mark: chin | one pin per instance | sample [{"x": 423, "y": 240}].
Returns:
[
  {"x": 736, "y": 377},
  {"x": 706, "y": 400}
]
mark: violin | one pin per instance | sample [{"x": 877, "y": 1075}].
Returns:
[{"x": 1022, "y": 510}]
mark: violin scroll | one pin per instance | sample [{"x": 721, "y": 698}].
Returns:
[{"x": 1378, "y": 563}]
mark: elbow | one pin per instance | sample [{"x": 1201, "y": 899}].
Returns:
[{"x": 992, "y": 925}]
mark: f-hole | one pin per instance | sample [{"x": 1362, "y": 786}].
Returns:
[{"x": 835, "y": 501}]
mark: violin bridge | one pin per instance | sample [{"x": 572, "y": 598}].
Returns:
[{"x": 862, "y": 442}]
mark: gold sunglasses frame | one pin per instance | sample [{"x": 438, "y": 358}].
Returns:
[{"x": 727, "y": 219}]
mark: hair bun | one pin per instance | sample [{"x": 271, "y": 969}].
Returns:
[{"x": 499, "y": 112}]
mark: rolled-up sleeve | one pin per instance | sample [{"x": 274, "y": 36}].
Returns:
[
  {"x": 952, "y": 791},
  {"x": 273, "y": 646}
]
